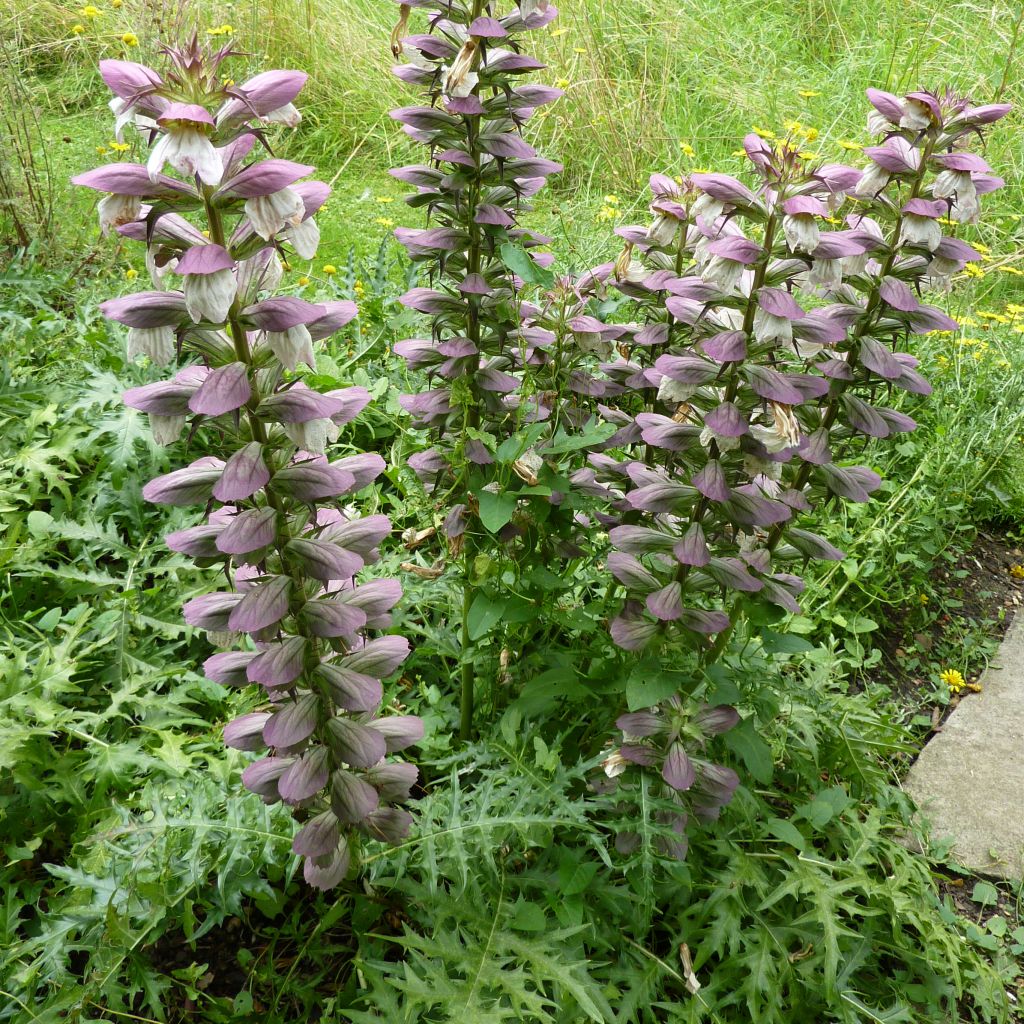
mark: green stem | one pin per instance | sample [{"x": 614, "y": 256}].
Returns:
[
  {"x": 467, "y": 675},
  {"x": 472, "y": 419}
]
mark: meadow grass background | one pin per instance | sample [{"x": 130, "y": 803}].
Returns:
[{"x": 670, "y": 86}]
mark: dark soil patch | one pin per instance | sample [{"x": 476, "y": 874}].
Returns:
[{"x": 965, "y": 610}]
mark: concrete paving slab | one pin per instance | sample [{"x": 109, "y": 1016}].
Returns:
[{"x": 969, "y": 780}]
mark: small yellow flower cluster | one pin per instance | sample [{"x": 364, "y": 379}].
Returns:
[
  {"x": 1017, "y": 571},
  {"x": 221, "y": 30},
  {"x": 794, "y": 128},
  {"x": 330, "y": 269},
  {"x": 359, "y": 289},
  {"x": 130, "y": 274},
  {"x": 687, "y": 149},
  {"x": 384, "y": 222},
  {"x": 381, "y": 199},
  {"x": 953, "y": 679},
  {"x": 610, "y": 210},
  {"x": 302, "y": 281},
  {"x": 130, "y": 39},
  {"x": 77, "y": 30},
  {"x": 808, "y": 93},
  {"x": 91, "y": 12},
  {"x": 850, "y": 145}
]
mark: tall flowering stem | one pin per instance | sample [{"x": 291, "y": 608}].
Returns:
[
  {"x": 478, "y": 178},
  {"x": 292, "y": 621},
  {"x": 769, "y": 346}
]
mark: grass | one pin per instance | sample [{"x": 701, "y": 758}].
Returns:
[{"x": 642, "y": 81}]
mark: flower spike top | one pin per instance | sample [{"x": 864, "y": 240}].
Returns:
[{"x": 295, "y": 624}]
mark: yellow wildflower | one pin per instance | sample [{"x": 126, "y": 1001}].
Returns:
[
  {"x": 607, "y": 213},
  {"x": 221, "y": 30},
  {"x": 953, "y": 679},
  {"x": 809, "y": 134},
  {"x": 1013, "y": 270},
  {"x": 923, "y": 598},
  {"x": 330, "y": 269},
  {"x": 765, "y": 133},
  {"x": 89, "y": 11},
  {"x": 793, "y": 127},
  {"x": 562, "y": 83},
  {"x": 974, "y": 687},
  {"x": 848, "y": 144},
  {"x": 130, "y": 39},
  {"x": 738, "y": 152},
  {"x": 983, "y": 249},
  {"x": 1017, "y": 571},
  {"x": 77, "y": 30},
  {"x": 119, "y": 147},
  {"x": 555, "y": 32},
  {"x": 116, "y": 4},
  {"x": 579, "y": 49},
  {"x": 687, "y": 149},
  {"x": 302, "y": 282},
  {"x": 612, "y": 200},
  {"x": 381, "y": 199},
  {"x": 971, "y": 270},
  {"x": 359, "y": 288},
  {"x": 806, "y": 154},
  {"x": 130, "y": 274},
  {"x": 101, "y": 150},
  {"x": 384, "y": 222},
  {"x": 808, "y": 93}
]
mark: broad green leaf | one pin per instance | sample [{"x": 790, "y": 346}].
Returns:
[
  {"x": 787, "y": 832},
  {"x": 496, "y": 510}
]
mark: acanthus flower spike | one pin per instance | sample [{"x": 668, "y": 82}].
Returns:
[
  {"x": 296, "y": 616},
  {"x": 758, "y": 389},
  {"x": 495, "y": 362}
]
